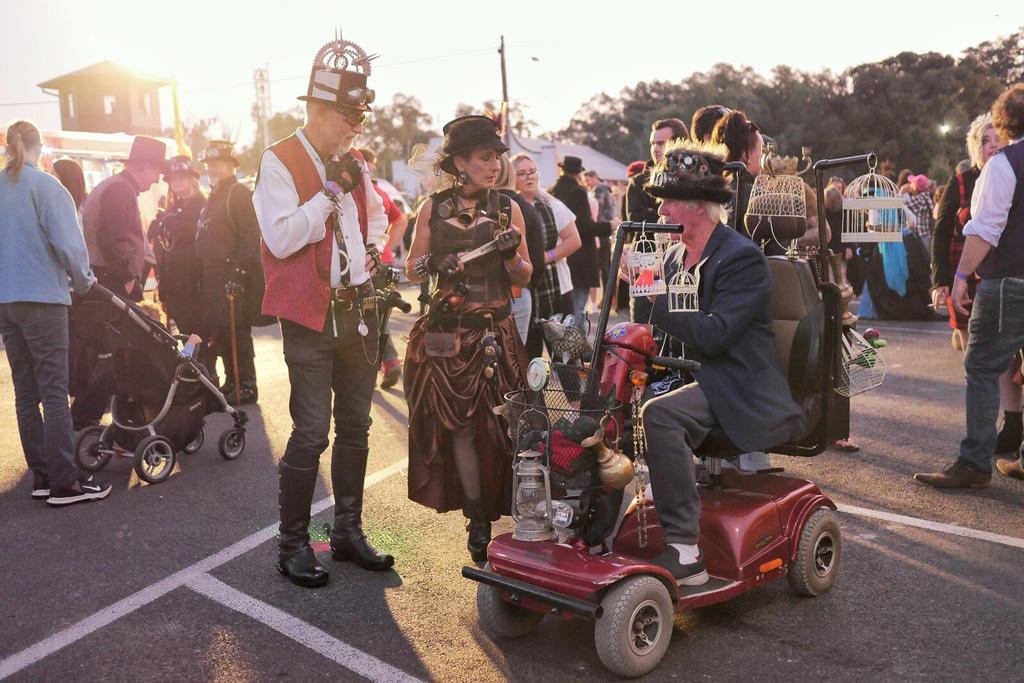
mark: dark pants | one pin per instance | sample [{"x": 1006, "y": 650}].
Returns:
[
  {"x": 319, "y": 364},
  {"x": 674, "y": 425},
  {"x": 996, "y": 333},
  {"x": 36, "y": 338},
  {"x": 246, "y": 355}
]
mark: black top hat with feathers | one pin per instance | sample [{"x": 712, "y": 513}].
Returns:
[
  {"x": 467, "y": 133},
  {"x": 690, "y": 171}
]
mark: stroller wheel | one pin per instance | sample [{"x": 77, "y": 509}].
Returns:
[
  {"x": 196, "y": 443},
  {"x": 90, "y": 453},
  {"x": 231, "y": 444},
  {"x": 154, "y": 459}
]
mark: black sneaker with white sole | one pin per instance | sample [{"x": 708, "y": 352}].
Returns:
[
  {"x": 40, "y": 488},
  {"x": 690, "y": 574},
  {"x": 79, "y": 492}
]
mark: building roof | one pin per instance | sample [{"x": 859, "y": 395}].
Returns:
[{"x": 100, "y": 70}]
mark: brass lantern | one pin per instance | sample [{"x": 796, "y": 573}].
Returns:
[{"x": 531, "y": 509}]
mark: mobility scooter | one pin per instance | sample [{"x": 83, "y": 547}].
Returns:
[{"x": 575, "y": 550}]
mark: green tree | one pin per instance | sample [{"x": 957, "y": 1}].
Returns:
[{"x": 395, "y": 128}]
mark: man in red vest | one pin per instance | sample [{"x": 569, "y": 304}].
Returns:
[{"x": 323, "y": 227}]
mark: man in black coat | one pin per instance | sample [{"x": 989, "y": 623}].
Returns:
[
  {"x": 740, "y": 385},
  {"x": 228, "y": 250},
  {"x": 583, "y": 265}
]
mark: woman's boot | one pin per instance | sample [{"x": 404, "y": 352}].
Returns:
[
  {"x": 479, "y": 528},
  {"x": 296, "y": 559}
]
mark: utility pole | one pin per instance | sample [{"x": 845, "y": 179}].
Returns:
[
  {"x": 261, "y": 79},
  {"x": 504, "y": 90}
]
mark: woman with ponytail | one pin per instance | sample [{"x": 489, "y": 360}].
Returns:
[{"x": 41, "y": 247}]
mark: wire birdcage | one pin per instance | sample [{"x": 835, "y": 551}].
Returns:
[
  {"x": 862, "y": 368},
  {"x": 682, "y": 292},
  {"x": 872, "y": 209},
  {"x": 645, "y": 267},
  {"x": 566, "y": 341},
  {"x": 777, "y": 209}
]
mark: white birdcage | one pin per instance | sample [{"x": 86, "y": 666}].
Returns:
[
  {"x": 682, "y": 292},
  {"x": 645, "y": 267},
  {"x": 862, "y": 368},
  {"x": 777, "y": 209},
  {"x": 873, "y": 209}
]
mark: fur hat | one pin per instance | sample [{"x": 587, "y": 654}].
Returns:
[{"x": 690, "y": 171}]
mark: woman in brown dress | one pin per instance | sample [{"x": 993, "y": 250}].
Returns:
[{"x": 465, "y": 354}]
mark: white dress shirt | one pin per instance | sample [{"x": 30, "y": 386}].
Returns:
[
  {"x": 563, "y": 216},
  {"x": 287, "y": 227},
  {"x": 990, "y": 203}
]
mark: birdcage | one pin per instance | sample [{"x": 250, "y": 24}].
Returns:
[
  {"x": 777, "y": 209},
  {"x": 872, "y": 209},
  {"x": 682, "y": 292},
  {"x": 645, "y": 267},
  {"x": 862, "y": 368}
]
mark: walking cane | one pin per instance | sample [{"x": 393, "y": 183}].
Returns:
[{"x": 231, "y": 289}]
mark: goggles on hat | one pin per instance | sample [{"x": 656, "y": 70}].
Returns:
[
  {"x": 178, "y": 167},
  {"x": 357, "y": 97}
]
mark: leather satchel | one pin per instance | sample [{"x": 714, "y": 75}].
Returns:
[{"x": 441, "y": 344}]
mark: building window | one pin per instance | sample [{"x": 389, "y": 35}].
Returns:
[
  {"x": 147, "y": 103},
  {"x": 70, "y": 99},
  {"x": 109, "y": 104}
]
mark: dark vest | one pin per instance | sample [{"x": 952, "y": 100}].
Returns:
[
  {"x": 1007, "y": 258},
  {"x": 92, "y": 227}
]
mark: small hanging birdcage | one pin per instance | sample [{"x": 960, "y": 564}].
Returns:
[
  {"x": 862, "y": 368},
  {"x": 645, "y": 265},
  {"x": 682, "y": 292},
  {"x": 777, "y": 209},
  {"x": 872, "y": 209}
]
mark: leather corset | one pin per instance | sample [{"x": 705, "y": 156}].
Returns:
[{"x": 488, "y": 281}]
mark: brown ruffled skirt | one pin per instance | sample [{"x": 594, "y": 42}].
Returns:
[{"x": 448, "y": 394}]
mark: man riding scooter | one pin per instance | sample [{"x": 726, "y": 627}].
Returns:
[{"x": 740, "y": 386}]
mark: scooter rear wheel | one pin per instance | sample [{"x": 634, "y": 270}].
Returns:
[
  {"x": 502, "y": 619},
  {"x": 635, "y": 631},
  {"x": 818, "y": 554}
]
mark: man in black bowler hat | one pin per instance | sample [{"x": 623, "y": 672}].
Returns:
[{"x": 323, "y": 228}]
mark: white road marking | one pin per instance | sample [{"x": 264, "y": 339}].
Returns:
[
  {"x": 953, "y": 529},
  {"x": 298, "y": 630},
  {"x": 32, "y": 654}
]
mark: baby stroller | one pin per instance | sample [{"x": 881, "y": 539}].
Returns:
[{"x": 161, "y": 396}]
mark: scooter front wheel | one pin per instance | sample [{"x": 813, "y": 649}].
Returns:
[
  {"x": 500, "y": 618},
  {"x": 634, "y": 633},
  {"x": 818, "y": 553}
]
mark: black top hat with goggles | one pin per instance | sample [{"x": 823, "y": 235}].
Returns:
[
  {"x": 690, "y": 171},
  {"x": 181, "y": 165},
  {"x": 338, "y": 78},
  {"x": 220, "y": 150}
]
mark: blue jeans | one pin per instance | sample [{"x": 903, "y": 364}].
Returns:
[
  {"x": 580, "y": 297},
  {"x": 522, "y": 309},
  {"x": 318, "y": 364},
  {"x": 36, "y": 337},
  {"x": 996, "y": 332}
]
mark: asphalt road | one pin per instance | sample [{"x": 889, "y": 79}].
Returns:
[{"x": 176, "y": 581}]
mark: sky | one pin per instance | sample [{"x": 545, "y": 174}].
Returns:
[{"x": 559, "y": 54}]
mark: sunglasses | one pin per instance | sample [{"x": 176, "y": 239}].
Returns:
[{"x": 353, "y": 118}]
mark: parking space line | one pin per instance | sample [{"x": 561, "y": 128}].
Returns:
[
  {"x": 33, "y": 653},
  {"x": 322, "y": 643},
  {"x": 919, "y": 523}
]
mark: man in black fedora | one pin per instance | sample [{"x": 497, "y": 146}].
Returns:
[
  {"x": 323, "y": 227},
  {"x": 112, "y": 222},
  {"x": 583, "y": 263},
  {"x": 228, "y": 255}
]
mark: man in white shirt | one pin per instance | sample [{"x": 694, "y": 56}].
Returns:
[
  {"x": 994, "y": 249},
  {"x": 323, "y": 226}
]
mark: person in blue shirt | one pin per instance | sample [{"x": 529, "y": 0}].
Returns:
[{"x": 41, "y": 247}]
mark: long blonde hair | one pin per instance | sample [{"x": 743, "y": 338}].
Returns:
[{"x": 22, "y": 138}]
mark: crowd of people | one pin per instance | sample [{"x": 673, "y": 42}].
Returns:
[{"x": 303, "y": 249}]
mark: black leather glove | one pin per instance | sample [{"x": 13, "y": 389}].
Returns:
[
  {"x": 373, "y": 255},
  {"x": 429, "y": 264},
  {"x": 345, "y": 171},
  {"x": 508, "y": 242}
]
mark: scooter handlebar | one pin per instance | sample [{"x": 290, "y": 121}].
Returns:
[{"x": 675, "y": 363}]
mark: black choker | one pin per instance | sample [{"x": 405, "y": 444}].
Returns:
[{"x": 474, "y": 195}]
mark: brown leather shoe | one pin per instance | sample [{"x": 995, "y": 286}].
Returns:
[
  {"x": 956, "y": 476},
  {"x": 1010, "y": 468}
]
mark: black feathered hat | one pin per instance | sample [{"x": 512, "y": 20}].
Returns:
[
  {"x": 467, "y": 133},
  {"x": 690, "y": 171}
]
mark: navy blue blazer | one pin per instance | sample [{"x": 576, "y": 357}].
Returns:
[{"x": 731, "y": 336}]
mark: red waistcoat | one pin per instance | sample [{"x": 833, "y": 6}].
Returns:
[{"x": 299, "y": 286}]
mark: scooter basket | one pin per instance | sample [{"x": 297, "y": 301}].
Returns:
[
  {"x": 554, "y": 422},
  {"x": 862, "y": 369}
]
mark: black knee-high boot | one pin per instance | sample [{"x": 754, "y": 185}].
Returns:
[
  {"x": 296, "y": 559},
  {"x": 479, "y": 528},
  {"x": 348, "y": 542}
]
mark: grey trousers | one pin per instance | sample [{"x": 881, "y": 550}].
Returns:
[{"x": 675, "y": 423}]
